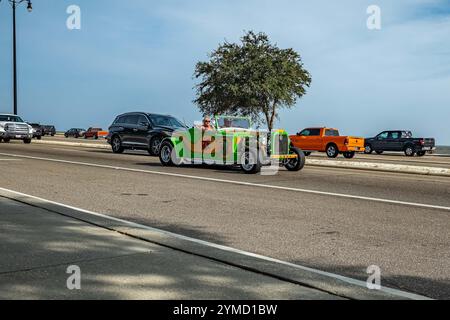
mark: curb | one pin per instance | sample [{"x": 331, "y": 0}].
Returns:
[
  {"x": 330, "y": 283},
  {"x": 385, "y": 167},
  {"x": 74, "y": 144},
  {"x": 382, "y": 167}
]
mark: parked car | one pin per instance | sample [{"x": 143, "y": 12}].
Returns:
[
  {"x": 327, "y": 140},
  {"x": 141, "y": 131},
  {"x": 93, "y": 133},
  {"x": 48, "y": 130},
  {"x": 232, "y": 142},
  {"x": 37, "y": 130},
  {"x": 400, "y": 140},
  {"x": 75, "y": 133},
  {"x": 12, "y": 127}
]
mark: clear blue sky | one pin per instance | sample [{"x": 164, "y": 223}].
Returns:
[{"x": 140, "y": 55}]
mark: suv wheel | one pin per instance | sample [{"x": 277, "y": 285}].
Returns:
[
  {"x": 332, "y": 151},
  {"x": 116, "y": 145},
  {"x": 410, "y": 151},
  {"x": 6, "y": 140},
  {"x": 27, "y": 141},
  {"x": 379, "y": 151},
  {"x": 155, "y": 145}
]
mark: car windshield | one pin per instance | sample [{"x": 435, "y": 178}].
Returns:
[
  {"x": 6, "y": 118},
  {"x": 230, "y": 122},
  {"x": 166, "y": 121}
]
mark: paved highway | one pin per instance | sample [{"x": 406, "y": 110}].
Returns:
[{"x": 337, "y": 220}]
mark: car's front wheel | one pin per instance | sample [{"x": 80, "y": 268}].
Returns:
[
  {"x": 296, "y": 164},
  {"x": 27, "y": 141},
  {"x": 410, "y": 151},
  {"x": 368, "y": 149},
  {"x": 167, "y": 154},
  {"x": 116, "y": 145},
  {"x": 6, "y": 140}
]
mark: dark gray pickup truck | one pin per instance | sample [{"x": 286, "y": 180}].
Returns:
[{"x": 400, "y": 140}]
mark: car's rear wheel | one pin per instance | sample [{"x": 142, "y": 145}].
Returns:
[
  {"x": 349, "y": 154},
  {"x": 116, "y": 145},
  {"x": 421, "y": 153},
  {"x": 27, "y": 141},
  {"x": 39, "y": 137},
  {"x": 96, "y": 137},
  {"x": 307, "y": 153},
  {"x": 6, "y": 140},
  {"x": 332, "y": 151},
  {"x": 298, "y": 163},
  {"x": 155, "y": 145},
  {"x": 368, "y": 149},
  {"x": 379, "y": 151},
  {"x": 410, "y": 151},
  {"x": 250, "y": 163}
]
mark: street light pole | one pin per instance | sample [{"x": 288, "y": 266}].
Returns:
[
  {"x": 14, "y": 58},
  {"x": 14, "y": 4}
]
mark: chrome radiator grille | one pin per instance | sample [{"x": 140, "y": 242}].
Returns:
[{"x": 16, "y": 128}]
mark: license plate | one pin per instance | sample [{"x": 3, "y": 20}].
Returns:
[
  {"x": 19, "y": 136},
  {"x": 426, "y": 148},
  {"x": 357, "y": 148}
]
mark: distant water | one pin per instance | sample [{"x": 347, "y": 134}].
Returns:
[{"x": 443, "y": 150}]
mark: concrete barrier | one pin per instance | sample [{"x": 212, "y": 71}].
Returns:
[
  {"x": 386, "y": 167},
  {"x": 74, "y": 144}
]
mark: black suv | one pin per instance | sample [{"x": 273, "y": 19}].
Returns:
[
  {"x": 141, "y": 131},
  {"x": 75, "y": 132},
  {"x": 48, "y": 131}
]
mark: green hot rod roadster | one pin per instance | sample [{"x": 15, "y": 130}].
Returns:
[{"x": 234, "y": 143}]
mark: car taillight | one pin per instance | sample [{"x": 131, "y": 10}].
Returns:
[{"x": 422, "y": 142}]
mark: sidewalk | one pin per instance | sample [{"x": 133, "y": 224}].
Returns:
[{"x": 38, "y": 245}]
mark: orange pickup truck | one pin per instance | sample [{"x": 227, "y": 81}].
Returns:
[{"x": 327, "y": 140}]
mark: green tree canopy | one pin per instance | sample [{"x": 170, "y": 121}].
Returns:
[{"x": 254, "y": 78}]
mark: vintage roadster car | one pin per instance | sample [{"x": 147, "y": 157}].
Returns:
[{"x": 233, "y": 142}]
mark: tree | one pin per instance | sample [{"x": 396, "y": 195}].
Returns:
[{"x": 254, "y": 78}]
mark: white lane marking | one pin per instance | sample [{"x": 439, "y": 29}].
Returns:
[
  {"x": 241, "y": 183},
  {"x": 10, "y": 160},
  {"x": 352, "y": 281}
]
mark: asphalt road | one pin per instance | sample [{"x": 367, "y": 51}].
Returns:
[
  {"x": 388, "y": 157},
  {"x": 283, "y": 216}
]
